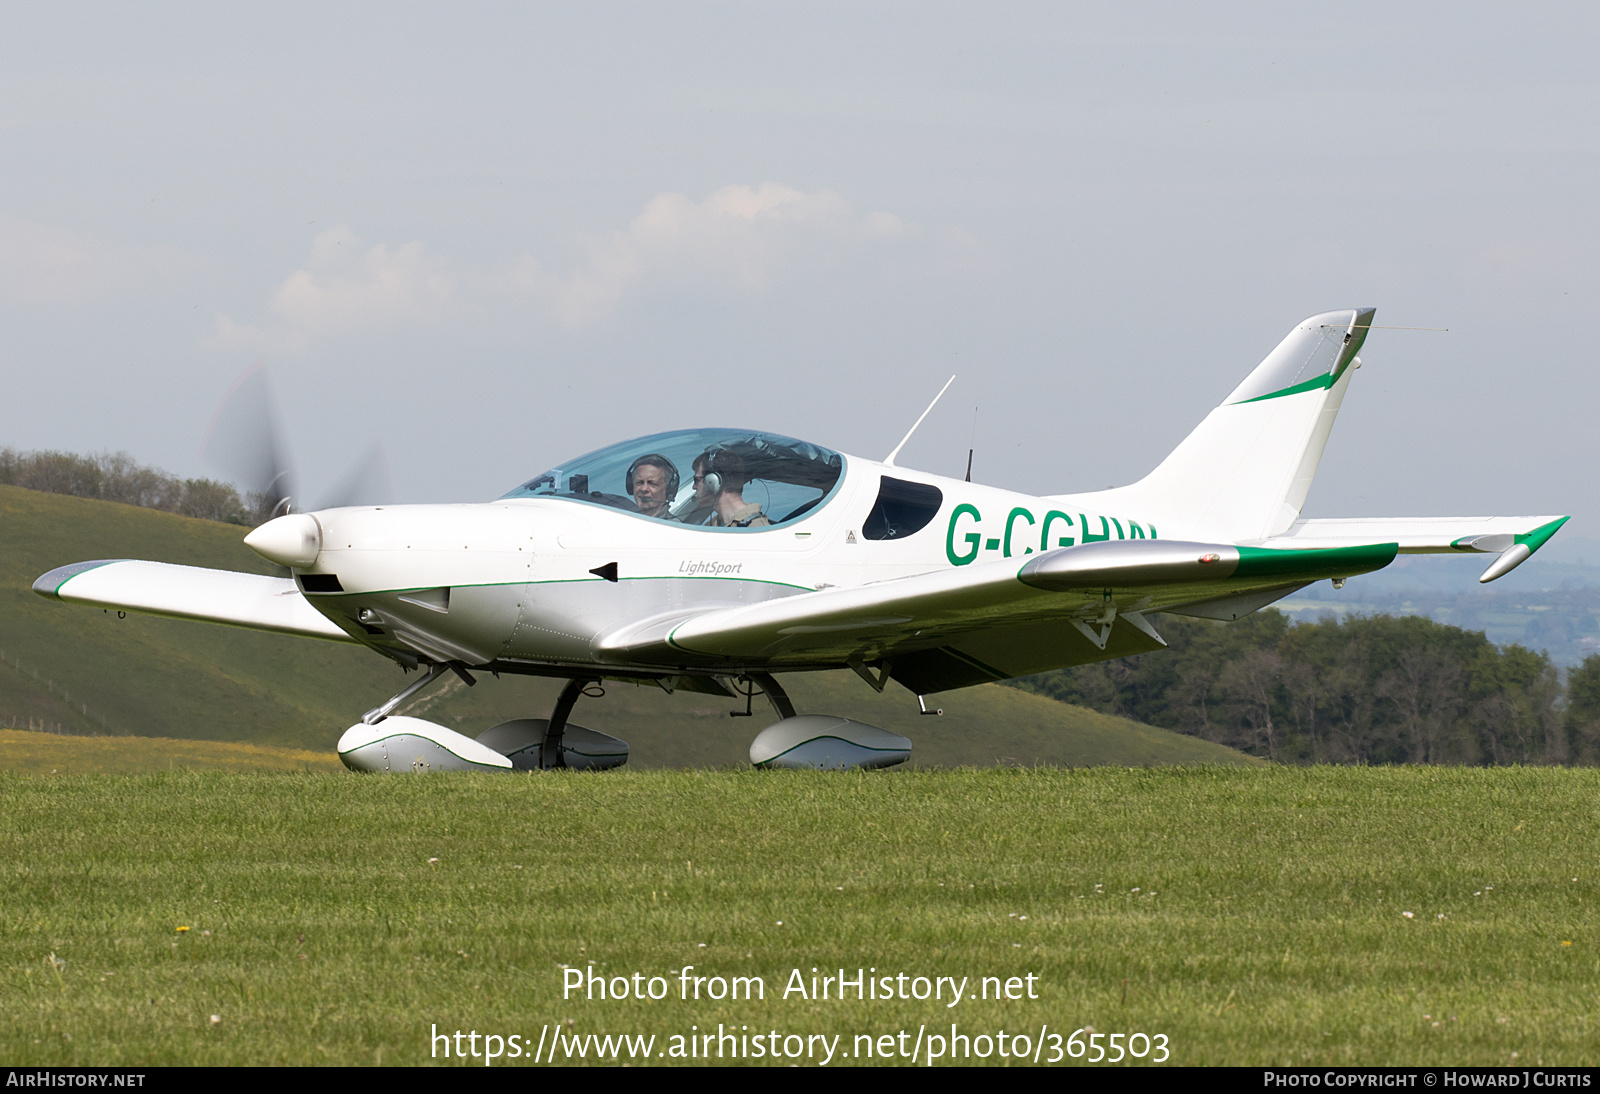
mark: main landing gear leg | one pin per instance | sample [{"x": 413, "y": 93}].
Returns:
[
  {"x": 550, "y": 752},
  {"x": 778, "y": 697}
]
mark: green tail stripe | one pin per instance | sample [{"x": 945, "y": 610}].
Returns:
[{"x": 1313, "y": 384}]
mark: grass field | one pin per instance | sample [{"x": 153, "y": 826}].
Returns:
[{"x": 1251, "y": 915}]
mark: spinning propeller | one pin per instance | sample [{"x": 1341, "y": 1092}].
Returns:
[{"x": 245, "y": 441}]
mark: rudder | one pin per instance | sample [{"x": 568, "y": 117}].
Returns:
[{"x": 1245, "y": 471}]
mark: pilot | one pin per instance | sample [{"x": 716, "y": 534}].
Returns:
[
  {"x": 721, "y": 476},
  {"x": 652, "y": 483}
]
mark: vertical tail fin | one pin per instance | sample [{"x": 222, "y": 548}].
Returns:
[{"x": 1244, "y": 472}]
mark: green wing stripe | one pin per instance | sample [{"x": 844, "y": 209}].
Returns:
[{"x": 1257, "y": 562}]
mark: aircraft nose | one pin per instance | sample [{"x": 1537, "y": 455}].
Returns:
[{"x": 294, "y": 540}]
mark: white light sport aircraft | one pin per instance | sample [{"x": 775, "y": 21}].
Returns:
[{"x": 707, "y": 559}]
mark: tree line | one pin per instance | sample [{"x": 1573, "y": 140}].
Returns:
[
  {"x": 1365, "y": 690},
  {"x": 118, "y": 477}
]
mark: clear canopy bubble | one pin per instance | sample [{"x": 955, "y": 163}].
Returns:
[{"x": 728, "y": 479}]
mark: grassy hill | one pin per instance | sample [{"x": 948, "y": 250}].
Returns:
[
  {"x": 88, "y": 671},
  {"x": 84, "y": 671}
]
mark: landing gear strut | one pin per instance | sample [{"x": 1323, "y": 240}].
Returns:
[
  {"x": 382, "y": 710},
  {"x": 550, "y": 755},
  {"x": 521, "y": 744},
  {"x": 762, "y": 682}
]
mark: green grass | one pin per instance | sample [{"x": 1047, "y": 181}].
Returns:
[
  {"x": 1253, "y": 915},
  {"x": 87, "y": 671}
]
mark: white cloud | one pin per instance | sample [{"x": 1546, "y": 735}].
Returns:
[
  {"x": 342, "y": 287},
  {"x": 40, "y": 263},
  {"x": 740, "y": 239},
  {"x": 345, "y": 287}
]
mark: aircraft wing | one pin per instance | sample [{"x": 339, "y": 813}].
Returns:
[
  {"x": 190, "y": 592},
  {"x": 953, "y": 627},
  {"x": 1513, "y": 539}
]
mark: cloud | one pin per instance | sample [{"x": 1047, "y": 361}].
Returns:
[
  {"x": 344, "y": 287},
  {"x": 40, "y": 263},
  {"x": 741, "y": 240}
]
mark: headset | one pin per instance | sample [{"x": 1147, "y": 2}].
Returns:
[
  {"x": 655, "y": 459},
  {"x": 723, "y": 468}
]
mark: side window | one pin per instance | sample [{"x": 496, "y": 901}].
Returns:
[{"x": 902, "y": 508}]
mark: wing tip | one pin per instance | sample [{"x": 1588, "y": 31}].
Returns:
[{"x": 49, "y": 585}]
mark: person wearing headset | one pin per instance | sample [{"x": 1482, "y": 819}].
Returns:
[
  {"x": 720, "y": 476},
  {"x": 652, "y": 483},
  {"x": 705, "y": 502}
]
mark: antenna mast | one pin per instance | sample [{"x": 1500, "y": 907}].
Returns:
[
  {"x": 973, "y": 444},
  {"x": 889, "y": 461}
]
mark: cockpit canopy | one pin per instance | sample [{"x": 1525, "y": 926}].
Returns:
[{"x": 714, "y": 478}]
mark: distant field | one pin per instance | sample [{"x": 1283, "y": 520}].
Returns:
[
  {"x": 57, "y": 754},
  {"x": 1251, "y": 915}
]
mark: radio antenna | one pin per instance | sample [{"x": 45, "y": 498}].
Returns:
[{"x": 889, "y": 461}]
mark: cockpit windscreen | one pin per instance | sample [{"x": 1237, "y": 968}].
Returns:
[{"x": 712, "y": 478}]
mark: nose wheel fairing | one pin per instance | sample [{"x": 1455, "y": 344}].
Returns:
[{"x": 398, "y": 743}]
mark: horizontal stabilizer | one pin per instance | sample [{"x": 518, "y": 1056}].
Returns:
[
  {"x": 1513, "y": 539},
  {"x": 1141, "y": 563},
  {"x": 1422, "y": 535},
  {"x": 190, "y": 592}
]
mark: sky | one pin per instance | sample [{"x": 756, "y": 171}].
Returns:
[{"x": 492, "y": 237}]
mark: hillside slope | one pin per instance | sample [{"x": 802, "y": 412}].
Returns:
[{"x": 89, "y": 672}]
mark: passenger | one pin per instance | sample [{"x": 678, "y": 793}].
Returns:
[
  {"x": 705, "y": 501},
  {"x": 723, "y": 476},
  {"x": 653, "y": 483}
]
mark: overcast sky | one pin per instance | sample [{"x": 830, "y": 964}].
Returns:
[{"x": 495, "y": 236}]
